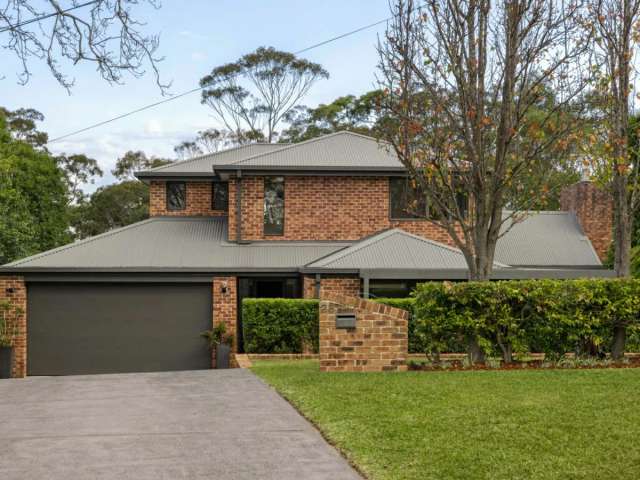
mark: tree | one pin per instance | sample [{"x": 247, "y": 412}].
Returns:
[
  {"x": 21, "y": 125},
  {"x": 207, "y": 141},
  {"x": 614, "y": 25},
  {"x": 255, "y": 93},
  {"x": 33, "y": 199},
  {"x": 464, "y": 84},
  {"x": 79, "y": 170},
  {"x": 110, "y": 207},
  {"x": 462, "y": 81},
  {"x": 135, "y": 161},
  {"x": 103, "y": 33},
  {"x": 355, "y": 114}
]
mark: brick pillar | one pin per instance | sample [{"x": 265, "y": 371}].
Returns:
[
  {"x": 13, "y": 289},
  {"x": 593, "y": 207},
  {"x": 225, "y": 304},
  {"x": 379, "y": 342}
]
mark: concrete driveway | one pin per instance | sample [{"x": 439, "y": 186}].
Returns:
[{"x": 224, "y": 424}]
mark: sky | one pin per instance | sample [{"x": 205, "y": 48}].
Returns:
[{"x": 195, "y": 36}]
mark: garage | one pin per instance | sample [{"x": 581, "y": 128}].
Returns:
[{"x": 88, "y": 328}]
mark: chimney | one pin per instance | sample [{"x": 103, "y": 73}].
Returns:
[{"x": 593, "y": 207}]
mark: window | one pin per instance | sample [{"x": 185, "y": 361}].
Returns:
[
  {"x": 176, "y": 196},
  {"x": 274, "y": 206},
  {"x": 406, "y": 200},
  {"x": 220, "y": 196}
]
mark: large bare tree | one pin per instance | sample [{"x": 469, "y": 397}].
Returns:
[
  {"x": 104, "y": 33},
  {"x": 252, "y": 95},
  {"x": 478, "y": 93},
  {"x": 615, "y": 26}
]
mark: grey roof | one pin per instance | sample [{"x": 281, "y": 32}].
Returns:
[
  {"x": 336, "y": 151},
  {"x": 394, "y": 249},
  {"x": 205, "y": 164},
  {"x": 545, "y": 239},
  {"x": 175, "y": 244}
]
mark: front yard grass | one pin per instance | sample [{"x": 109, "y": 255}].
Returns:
[{"x": 535, "y": 424}]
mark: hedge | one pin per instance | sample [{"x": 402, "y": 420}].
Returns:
[
  {"x": 279, "y": 325},
  {"x": 551, "y": 316}
]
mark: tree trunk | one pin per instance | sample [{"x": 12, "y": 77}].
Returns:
[
  {"x": 474, "y": 351},
  {"x": 622, "y": 227},
  {"x": 619, "y": 341}
]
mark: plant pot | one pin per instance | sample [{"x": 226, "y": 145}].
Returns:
[
  {"x": 6, "y": 361},
  {"x": 223, "y": 355}
]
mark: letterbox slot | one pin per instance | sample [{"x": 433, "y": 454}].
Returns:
[{"x": 346, "y": 320}]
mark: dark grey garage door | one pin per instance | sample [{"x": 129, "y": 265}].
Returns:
[{"x": 80, "y": 328}]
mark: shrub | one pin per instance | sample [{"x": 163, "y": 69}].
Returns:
[
  {"x": 279, "y": 325},
  {"x": 507, "y": 317}
]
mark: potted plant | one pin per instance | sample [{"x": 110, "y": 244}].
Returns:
[
  {"x": 220, "y": 343},
  {"x": 7, "y": 337}
]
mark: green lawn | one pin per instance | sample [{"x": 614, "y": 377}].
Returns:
[{"x": 538, "y": 424}]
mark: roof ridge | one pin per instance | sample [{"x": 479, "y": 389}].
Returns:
[
  {"x": 78, "y": 243},
  {"x": 210, "y": 154},
  {"x": 311, "y": 140}
]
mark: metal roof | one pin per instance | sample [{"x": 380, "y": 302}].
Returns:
[
  {"x": 546, "y": 239},
  {"x": 394, "y": 249},
  {"x": 336, "y": 151},
  {"x": 174, "y": 244},
  {"x": 205, "y": 164}
]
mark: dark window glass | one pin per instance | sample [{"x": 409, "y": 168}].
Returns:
[
  {"x": 274, "y": 206},
  {"x": 176, "y": 196},
  {"x": 391, "y": 288},
  {"x": 220, "y": 196},
  {"x": 406, "y": 200}
]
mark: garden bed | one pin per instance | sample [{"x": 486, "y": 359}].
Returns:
[{"x": 533, "y": 364}]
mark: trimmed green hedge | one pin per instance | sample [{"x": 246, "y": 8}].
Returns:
[
  {"x": 551, "y": 316},
  {"x": 279, "y": 325}
]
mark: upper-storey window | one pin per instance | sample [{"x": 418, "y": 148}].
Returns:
[
  {"x": 409, "y": 202},
  {"x": 274, "y": 206},
  {"x": 176, "y": 196},
  {"x": 220, "y": 196}
]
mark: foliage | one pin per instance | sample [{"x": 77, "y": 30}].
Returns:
[
  {"x": 351, "y": 113},
  {"x": 280, "y": 325},
  {"x": 256, "y": 92},
  {"x": 21, "y": 124},
  {"x": 33, "y": 199},
  {"x": 515, "y": 317},
  {"x": 135, "y": 161},
  {"x": 79, "y": 170},
  {"x": 218, "y": 336},
  {"x": 110, "y": 207},
  {"x": 102, "y": 33}
]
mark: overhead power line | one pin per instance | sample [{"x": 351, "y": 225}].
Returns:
[
  {"x": 44, "y": 17},
  {"x": 193, "y": 90}
]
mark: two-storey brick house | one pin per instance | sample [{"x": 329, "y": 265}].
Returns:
[{"x": 265, "y": 220}]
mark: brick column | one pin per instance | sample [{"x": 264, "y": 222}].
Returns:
[
  {"x": 379, "y": 341},
  {"x": 225, "y": 304},
  {"x": 13, "y": 289}
]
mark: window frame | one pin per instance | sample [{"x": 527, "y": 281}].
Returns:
[
  {"x": 168, "y": 205},
  {"x": 214, "y": 186},
  {"x": 264, "y": 206},
  {"x": 404, "y": 218}
]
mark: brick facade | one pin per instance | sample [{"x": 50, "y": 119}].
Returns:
[
  {"x": 594, "y": 208},
  {"x": 378, "y": 343},
  {"x": 325, "y": 208},
  {"x": 198, "y": 200},
  {"x": 225, "y": 305},
  {"x": 13, "y": 289},
  {"x": 346, "y": 285}
]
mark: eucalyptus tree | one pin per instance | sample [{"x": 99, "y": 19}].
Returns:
[{"x": 254, "y": 94}]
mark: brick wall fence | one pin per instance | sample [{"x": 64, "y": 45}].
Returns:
[
  {"x": 13, "y": 289},
  {"x": 225, "y": 305},
  {"x": 198, "y": 200},
  {"x": 378, "y": 343}
]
